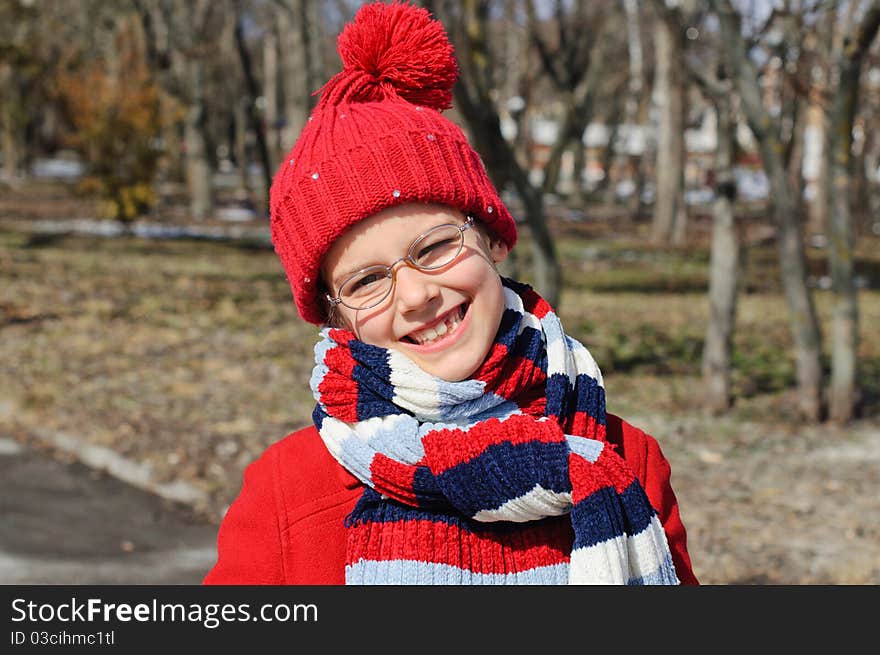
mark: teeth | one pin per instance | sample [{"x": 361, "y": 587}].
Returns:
[{"x": 430, "y": 334}]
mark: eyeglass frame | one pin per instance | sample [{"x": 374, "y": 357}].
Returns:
[{"x": 408, "y": 260}]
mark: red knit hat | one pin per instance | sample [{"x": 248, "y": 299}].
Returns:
[{"x": 375, "y": 140}]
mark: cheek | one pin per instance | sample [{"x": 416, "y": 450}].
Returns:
[
  {"x": 483, "y": 284},
  {"x": 374, "y": 328},
  {"x": 494, "y": 305},
  {"x": 478, "y": 280},
  {"x": 474, "y": 273}
]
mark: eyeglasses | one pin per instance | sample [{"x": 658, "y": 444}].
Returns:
[{"x": 436, "y": 248}]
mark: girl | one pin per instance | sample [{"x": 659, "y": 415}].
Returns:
[{"x": 460, "y": 436}]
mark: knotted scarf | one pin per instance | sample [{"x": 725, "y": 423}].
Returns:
[{"x": 485, "y": 480}]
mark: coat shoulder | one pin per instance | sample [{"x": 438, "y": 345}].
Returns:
[
  {"x": 305, "y": 472},
  {"x": 642, "y": 452},
  {"x": 286, "y": 524},
  {"x": 630, "y": 442}
]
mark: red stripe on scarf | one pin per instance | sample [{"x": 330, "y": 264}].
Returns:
[
  {"x": 541, "y": 544},
  {"x": 535, "y": 304},
  {"x": 340, "y": 336},
  {"x": 491, "y": 367},
  {"x": 447, "y": 448},
  {"x": 397, "y": 478},
  {"x": 517, "y": 374},
  {"x": 533, "y": 401},
  {"x": 339, "y": 391},
  {"x": 583, "y": 425},
  {"x": 609, "y": 470}
]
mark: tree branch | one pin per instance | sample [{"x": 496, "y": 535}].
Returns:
[{"x": 865, "y": 33}]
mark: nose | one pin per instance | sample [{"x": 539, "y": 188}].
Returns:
[{"x": 413, "y": 288}]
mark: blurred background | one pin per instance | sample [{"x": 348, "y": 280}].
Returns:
[{"x": 697, "y": 190}]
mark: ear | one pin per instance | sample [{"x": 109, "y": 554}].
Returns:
[{"x": 498, "y": 249}]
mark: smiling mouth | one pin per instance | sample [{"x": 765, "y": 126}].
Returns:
[{"x": 439, "y": 330}]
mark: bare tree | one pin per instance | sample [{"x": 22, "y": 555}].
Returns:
[
  {"x": 786, "y": 209},
  {"x": 34, "y": 39},
  {"x": 301, "y": 74},
  {"x": 841, "y": 115},
  {"x": 183, "y": 41},
  {"x": 670, "y": 216},
  {"x": 515, "y": 101},
  {"x": 11, "y": 144},
  {"x": 272, "y": 93},
  {"x": 817, "y": 206},
  {"x": 867, "y": 159},
  {"x": 725, "y": 264},
  {"x": 574, "y": 66},
  {"x": 253, "y": 92},
  {"x": 15, "y": 58},
  {"x": 635, "y": 102},
  {"x": 468, "y": 26}
]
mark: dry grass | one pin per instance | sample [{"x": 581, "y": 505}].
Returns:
[{"x": 189, "y": 355}]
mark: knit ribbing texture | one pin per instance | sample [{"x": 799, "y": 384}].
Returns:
[{"x": 503, "y": 478}]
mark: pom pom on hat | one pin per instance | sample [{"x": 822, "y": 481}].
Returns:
[
  {"x": 394, "y": 50},
  {"x": 377, "y": 139}
]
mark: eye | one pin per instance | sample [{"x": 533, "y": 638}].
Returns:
[
  {"x": 438, "y": 248},
  {"x": 367, "y": 284},
  {"x": 435, "y": 246},
  {"x": 365, "y": 281}
]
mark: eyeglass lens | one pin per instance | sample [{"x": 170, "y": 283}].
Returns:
[{"x": 435, "y": 249}]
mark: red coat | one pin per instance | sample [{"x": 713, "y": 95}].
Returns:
[{"x": 285, "y": 527}]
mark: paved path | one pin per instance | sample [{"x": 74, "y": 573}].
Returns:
[{"x": 63, "y": 523}]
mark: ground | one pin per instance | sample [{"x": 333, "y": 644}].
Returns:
[
  {"x": 777, "y": 505},
  {"x": 175, "y": 362}
]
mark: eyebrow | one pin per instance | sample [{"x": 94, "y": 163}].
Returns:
[{"x": 344, "y": 276}]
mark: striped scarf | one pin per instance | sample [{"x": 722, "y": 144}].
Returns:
[{"x": 503, "y": 478}]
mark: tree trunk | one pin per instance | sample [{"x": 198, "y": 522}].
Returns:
[
  {"x": 240, "y": 123},
  {"x": 786, "y": 213},
  {"x": 550, "y": 181},
  {"x": 476, "y": 106},
  {"x": 568, "y": 134},
  {"x": 669, "y": 203},
  {"x": 578, "y": 195},
  {"x": 861, "y": 188},
  {"x": 502, "y": 167},
  {"x": 171, "y": 166},
  {"x": 633, "y": 99},
  {"x": 11, "y": 146},
  {"x": 198, "y": 166},
  {"x": 295, "y": 76},
  {"x": 724, "y": 272},
  {"x": 869, "y": 172},
  {"x": 270, "y": 93},
  {"x": 257, "y": 126},
  {"x": 606, "y": 189},
  {"x": 817, "y": 207},
  {"x": 12, "y": 143},
  {"x": 795, "y": 151},
  {"x": 804, "y": 322},
  {"x": 312, "y": 27},
  {"x": 845, "y": 333}
]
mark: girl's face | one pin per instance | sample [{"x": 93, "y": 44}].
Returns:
[{"x": 465, "y": 298}]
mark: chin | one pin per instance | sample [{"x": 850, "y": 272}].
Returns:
[
  {"x": 460, "y": 367},
  {"x": 454, "y": 376}
]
